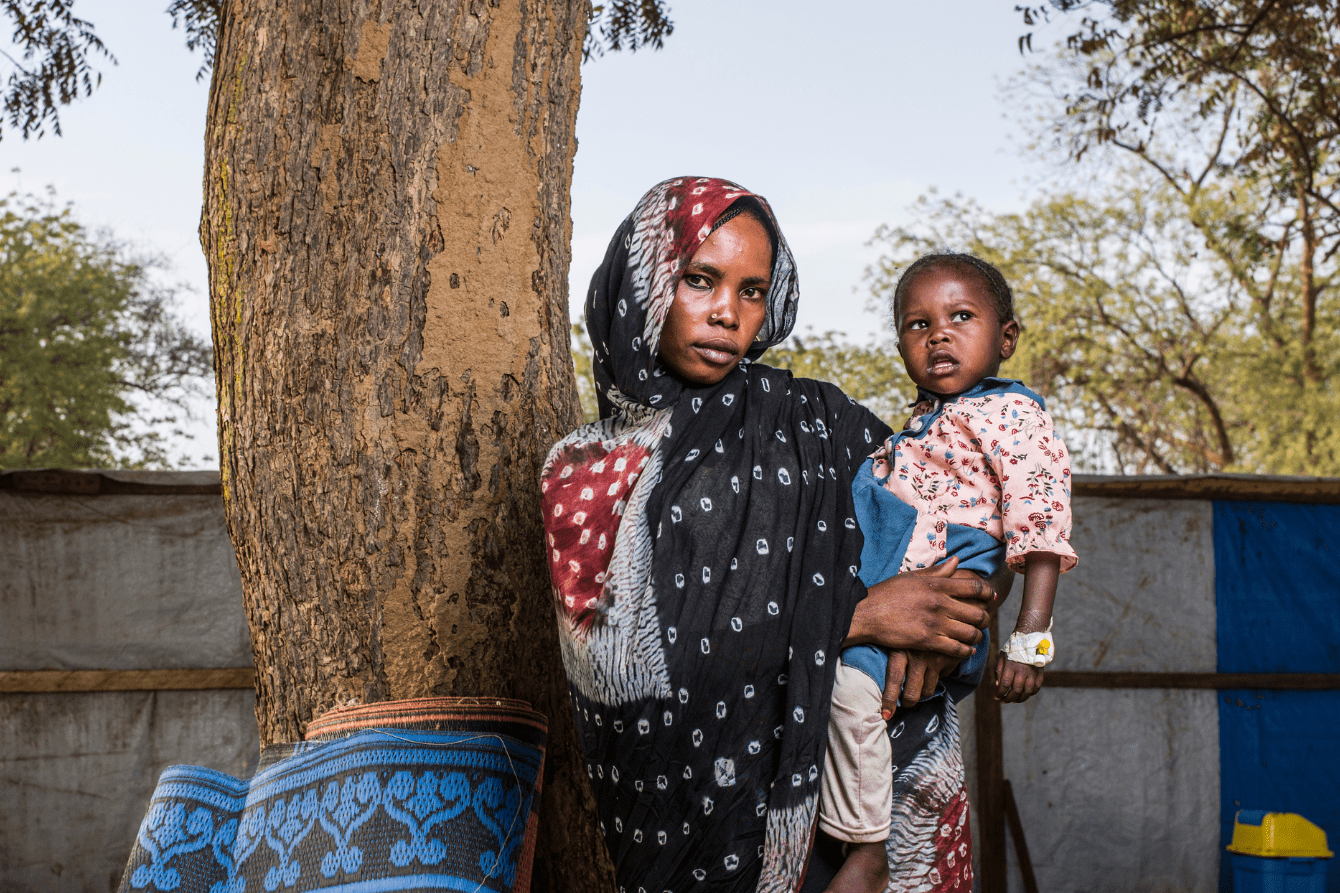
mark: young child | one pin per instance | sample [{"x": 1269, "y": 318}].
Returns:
[{"x": 981, "y": 476}]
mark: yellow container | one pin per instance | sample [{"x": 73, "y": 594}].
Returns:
[{"x": 1277, "y": 835}]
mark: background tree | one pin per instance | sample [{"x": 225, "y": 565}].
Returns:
[
  {"x": 582, "y": 363},
  {"x": 1213, "y": 97},
  {"x": 53, "y": 67},
  {"x": 1145, "y": 342},
  {"x": 870, "y": 372},
  {"x": 94, "y": 362},
  {"x": 1183, "y": 317}
]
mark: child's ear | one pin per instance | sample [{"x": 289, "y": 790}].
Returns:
[{"x": 1009, "y": 339}]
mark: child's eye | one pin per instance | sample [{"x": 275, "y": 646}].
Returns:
[
  {"x": 961, "y": 315},
  {"x": 915, "y": 324}
]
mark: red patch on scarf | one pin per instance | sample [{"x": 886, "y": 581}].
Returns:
[
  {"x": 695, "y": 204},
  {"x": 952, "y": 870},
  {"x": 583, "y": 502}
]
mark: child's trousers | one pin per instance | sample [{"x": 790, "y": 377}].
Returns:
[{"x": 856, "y": 792}]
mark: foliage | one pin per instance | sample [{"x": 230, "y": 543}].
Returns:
[
  {"x": 63, "y": 46},
  {"x": 89, "y": 347},
  {"x": 200, "y": 20},
  {"x": 1220, "y": 98},
  {"x": 1161, "y": 344},
  {"x": 627, "y": 24},
  {"x": 582, "y": 353},
  {"x": 53, "y": 68},
  {"x": 871, "y": 373},
  {"x": 1272, "y": 65},
  {"x": 1233, "y": 107}
]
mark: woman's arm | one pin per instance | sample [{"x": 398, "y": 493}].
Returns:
[
  {"x": 913, "y": 675},
  {"x": 926, "y": 610}
]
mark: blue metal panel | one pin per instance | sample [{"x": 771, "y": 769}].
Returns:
[
  {"x": 1280, "y": 751},
  {"x": 1277, "y": 590},
  {"x": 1277, "y": 587}
]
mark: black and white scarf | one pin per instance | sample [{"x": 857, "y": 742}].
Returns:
[{"x": 704, "y": 551}]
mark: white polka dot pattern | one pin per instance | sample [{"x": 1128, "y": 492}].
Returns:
[{"x": 697, "y": 625}]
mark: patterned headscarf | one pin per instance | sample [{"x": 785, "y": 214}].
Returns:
[
  {"x": 704, "y": 554},
  {"x": 632, "y": 291}
]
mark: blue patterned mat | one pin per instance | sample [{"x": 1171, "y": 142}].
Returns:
[{"x": 380, "y": 810}]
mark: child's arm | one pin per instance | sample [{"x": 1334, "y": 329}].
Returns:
[
  {"x": 1016, "y": 682},
  {"x": 1036, "y": 522},
  {"x": 1041, "y": 570}
]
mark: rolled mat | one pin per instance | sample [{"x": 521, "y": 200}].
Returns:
[{"x": 429, "y": 794}]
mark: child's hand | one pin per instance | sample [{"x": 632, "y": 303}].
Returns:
[
  {"x": 912, "y": 676},
  {"x": 1016, "y": 682}
]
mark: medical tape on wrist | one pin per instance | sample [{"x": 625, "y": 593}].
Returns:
[{"x": 1034, "y": 649}]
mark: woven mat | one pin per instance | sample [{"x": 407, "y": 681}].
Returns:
[{"x": 432, "y": 794}]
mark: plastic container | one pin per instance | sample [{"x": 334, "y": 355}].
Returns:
[
  {"x": 1277, "y": 852},
  {"x": 1265, "y": 874},
  {"x": 1278, "y": 835}
]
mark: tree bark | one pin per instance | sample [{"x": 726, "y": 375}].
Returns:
[{"x": 387, "y": 229}]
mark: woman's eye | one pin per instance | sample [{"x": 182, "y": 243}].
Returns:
[
  {"x": 753, "y": 294},
  {"x": 693, "y": 280}
]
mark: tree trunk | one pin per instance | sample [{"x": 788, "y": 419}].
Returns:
[{"x": 386, "y": 224}]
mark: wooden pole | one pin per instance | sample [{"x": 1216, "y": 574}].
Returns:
[
  {"x": 990, "y": 775},
  {"x": 1259, "y": 681},
  {"x": 1020, "y": 842},
  {"x": 71, "y": 681}
]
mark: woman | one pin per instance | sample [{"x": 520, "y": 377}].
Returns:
[{"x": 704, "y": 552}]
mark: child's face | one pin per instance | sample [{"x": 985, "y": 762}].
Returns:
[{"x": 949, "y": 334}]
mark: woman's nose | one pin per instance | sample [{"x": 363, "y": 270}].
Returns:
[{"x": 724, "y": 309}]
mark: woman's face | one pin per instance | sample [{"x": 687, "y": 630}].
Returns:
[{"x": 720, "y": 303}]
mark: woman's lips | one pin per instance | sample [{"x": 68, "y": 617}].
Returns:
[{"x": 718, "y": 353}]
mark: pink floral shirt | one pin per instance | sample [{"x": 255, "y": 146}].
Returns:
[{"x": 989, "y": 459}]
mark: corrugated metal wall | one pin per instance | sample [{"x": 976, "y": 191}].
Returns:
[{"x": 110, "y": 582}]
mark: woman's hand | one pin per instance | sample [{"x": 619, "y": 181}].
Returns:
[{"x": 926, "y": 610}]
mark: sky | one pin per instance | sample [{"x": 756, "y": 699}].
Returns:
[{"x": 840, "y": 113}]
